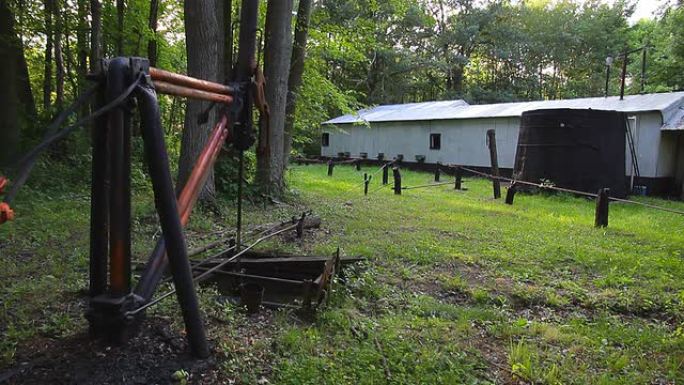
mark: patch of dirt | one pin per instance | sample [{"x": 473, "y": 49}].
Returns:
[{"x": 151, "y": 357}]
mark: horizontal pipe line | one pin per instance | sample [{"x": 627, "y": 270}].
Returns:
[
  {"x": 174, "y": 89},
  {"x": 190, "y": 82}
]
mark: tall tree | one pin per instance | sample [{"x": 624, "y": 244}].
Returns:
[
  {"x": 152, "y": 24},
  {"x": 120, "y": 13},
  {"x": 13, "y": 101},
  {"x": 95, "y": 34},
  {"x": 59, "y": 55},
  {"x": 82, "y": 48},
  {"x": 294, "y": 82},
  {"x": 277, "y": 52},
  {"x": 49, "y": 6},
  {"x": 204, "y": 42}
]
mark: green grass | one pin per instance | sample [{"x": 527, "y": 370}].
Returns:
[{"x": 458, "y": 287}]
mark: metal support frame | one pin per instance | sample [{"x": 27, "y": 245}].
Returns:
[{"x": 113, "y": 308}]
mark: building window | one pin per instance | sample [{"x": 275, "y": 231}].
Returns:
[
  {"x": 325, "y": 139},
  {"x": 435, "y": 141}
]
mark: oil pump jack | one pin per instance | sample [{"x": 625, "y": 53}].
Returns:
[{"x": 115, "y": 306}]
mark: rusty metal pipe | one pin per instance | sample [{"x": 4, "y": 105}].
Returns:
[
  {"x": 189, "y": 82},
  {"x": 158, "y": 260},
  {"x": 192, "y": 93}
]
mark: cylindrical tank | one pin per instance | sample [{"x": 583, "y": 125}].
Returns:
[{"x": 578, "y": 149}]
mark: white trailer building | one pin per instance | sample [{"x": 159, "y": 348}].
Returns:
[{"x": 454, "y": 132}]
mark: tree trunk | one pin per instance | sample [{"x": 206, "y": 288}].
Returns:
[
  {"x": 204, "y": 44},
  {"x": 9, "y": 103},
  {"x": 47, "y": 75},
  {"x": 152, "y": 23},
  {"x": 120, "y": 9},
  {"x": 294, "y": 82},
  {"x": 228, "y": 39},
  {"x": 277, "y": 52},
  {"x": 82, "y": 50},
  {"x": 59, "y": 57},
  {"x": 95, "y": 35}
]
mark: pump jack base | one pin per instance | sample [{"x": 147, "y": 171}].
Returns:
[{"x": 108, "y": 320}]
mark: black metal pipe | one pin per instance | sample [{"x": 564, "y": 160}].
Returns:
[
  {"x": 99, "y": 192},
  {"x": 154, "y": 271},
  {"x": 169, "y": 218},
  {"x": 118, "y": 79},
  {"x": 625, "y": 58}
]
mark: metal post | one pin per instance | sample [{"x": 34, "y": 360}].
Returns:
[
  {"x": 169, "y": 219},
  {"x": 643, "y": 69},
  {"x": 510, "y": 194},
  {"x": 601, "y": 215},
  {"x": 437, "y": 174},
  {"x": 397, "y": 180},
  {"x": 331, "y": 165},
  {"x": 624, "y": 75},
  {"x": 366, "y": 181},
  {"x": 458, "y": 179},
  {"x": 607, "y": 79},
  {"x": 120, "y": 194},
  {"x": 385, "y": 174},
  {"x": 238, "y": 225},
  {"x": 99, "y": 192},
  {"x": 496, "y": 184},
  {"x": 358, "y": 165}
]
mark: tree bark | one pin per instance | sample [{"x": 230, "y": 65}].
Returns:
[
  {"x": 204, "y": 44},
  {"x": 228, "y": 39},
  {"x": 47, "y": 74},
  {"x": 294, "y": 82},
  {"x": 120, "y": 9},
  {"x": 59, "y": 57},
  {"x": 10, "y": 50},
  {"x": 277, "y": 52},
  {"x": 95, "y": 35},
  {"x": 152, "y": 43}
]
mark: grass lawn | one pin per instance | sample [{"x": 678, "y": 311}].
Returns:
[{"x": 458, "y": 288}]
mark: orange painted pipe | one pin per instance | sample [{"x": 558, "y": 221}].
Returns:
[
  {"x": 192, "y": 93},
  {"x": 190, "y": 82}
]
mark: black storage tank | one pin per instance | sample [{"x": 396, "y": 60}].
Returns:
[{"x": 578, "y": 149}]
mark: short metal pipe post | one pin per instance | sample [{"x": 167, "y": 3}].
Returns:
[
  {"x": 169, "y": 219},
  {"x": 358, "y": 165},
  {"x": 625, "y": 58},
  {"x": 385, "y": 174},
  {"x": 437, "y": 174},
  {"x": 458, "y": 179},
  {"x": 331, "y": 165},
  {"x": 496, "y": 184},
  {"x": 510, "y": 194},
  {"x": 397, "y": 180},
  {"x": 366, "y": 181},
  {"x": 99, "y": 201},
  {"x": 602, "y": 201},
  {"x": 118, "y": 78}
]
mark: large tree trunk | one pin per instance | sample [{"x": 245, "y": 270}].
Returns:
[
  {"x": 294, "y": 82},
  {"x": 228, "y": 38},
  {"x": 95, "y": 35},
  {"x": 277, "y": 51},
  {"x": 120, "y": 9},
  {"x": 82, "y": 50},
  {"x": 152, "y": 23},
  {"x": 59, "y": 56},
  {"x": 10, "y": 93},
  {"x": 49, "y": 6},
  {"x": 204, "y": 44}
]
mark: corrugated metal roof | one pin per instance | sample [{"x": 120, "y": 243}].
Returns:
[{"x": 666, "y": 103}]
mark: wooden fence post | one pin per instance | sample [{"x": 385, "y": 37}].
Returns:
[
  {"x": 496, "y": 184},
  {"x": 397, "y": 180},
  {"x": 330, "y": 167},
  {"x": 510, "y": 194},
  {"x": 385, "y": 174},
  {"x": 602, "y": 200},
  {"x": 458, "y": 178}
]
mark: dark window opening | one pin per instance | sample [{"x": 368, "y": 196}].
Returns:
[
  {"x": 435, "y": 141},
  {"x": 325, "y": 139}
]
